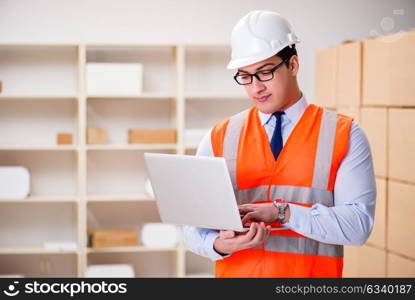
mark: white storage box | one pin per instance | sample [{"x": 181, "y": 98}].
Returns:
[
  {"x": 113, "y": 270},
  {"x": 114, "y": 78},
  {"x": 14, "y": 182},
  {"x": 161, "y": 235}
]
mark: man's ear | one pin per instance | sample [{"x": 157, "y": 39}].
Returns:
[{"x": 293, "y": 65}]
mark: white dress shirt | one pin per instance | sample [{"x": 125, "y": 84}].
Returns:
[{"x": 348, "y": 222}]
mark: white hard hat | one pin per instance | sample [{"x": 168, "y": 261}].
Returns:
[{"x": 258, "y": 36}]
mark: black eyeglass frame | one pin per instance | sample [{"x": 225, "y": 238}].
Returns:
[{"x": 271, "y": 71}]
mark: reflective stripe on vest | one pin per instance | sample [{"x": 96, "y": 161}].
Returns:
[
  {"x": 289, "y": 193},
  {"x": 302, "y": 195},
  {"x": 293, "y": 244},
  {"x": 324, "y": 150},
  {"x": 230, "y": 148}
]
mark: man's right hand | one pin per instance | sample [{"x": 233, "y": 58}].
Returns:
[{"x": 229, "y": 241}]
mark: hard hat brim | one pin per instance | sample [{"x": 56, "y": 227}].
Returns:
[{"x": 243, "y": 62}]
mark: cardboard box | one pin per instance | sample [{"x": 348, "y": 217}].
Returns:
[
  {"x": 375, "y": 83},
  {"x": 325, "y": 77},
  {"x": 374, "y": 122},
  {"x": 378, "y": 235},
  {"x": 401, "y": 144},
  {"x": 402, "y": 63},
  {"x": 401, "y": 220},
  {"x": 389, "y": 70},
  {"x": 351, "y": 261},
  {"x": 114, "y": 78},
  {"x": 349, "y": 74},
  {"x": 96, "y": 136},
  {"x": 64, "y": 139},
  {"x": 353, "y": 112},
  {"x": 364, "y": 261},
  {"x": 102, "y": 238},
  {"x": 400, "y": 267},
  {"x": 151, "y": 136}
]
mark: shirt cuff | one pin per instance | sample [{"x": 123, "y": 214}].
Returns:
[
  {"x": 209, "y": 241},
  {"x": 298, "y": 214}
]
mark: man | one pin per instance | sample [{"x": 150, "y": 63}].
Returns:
[{"x": 293, "y": 165}]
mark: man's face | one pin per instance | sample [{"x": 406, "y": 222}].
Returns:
[{"x": 273, "y": 95}]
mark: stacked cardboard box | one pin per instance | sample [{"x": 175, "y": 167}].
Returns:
[
  {"x": 364, "y": 261},
  {"x": 325, "y": 78},
  {"x": 151, "y": 135},
  {"x": 373, "y": 82},
  {"x": 64, "y": 139},
  {"x": 338, "y": 79},
  {"x": 96, "y": 136},
  {"x": 349, "y": 79},
  {"x": 106, "y": 238}
]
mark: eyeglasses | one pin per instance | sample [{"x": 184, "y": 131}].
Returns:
[{"x": 265, "y": 75}]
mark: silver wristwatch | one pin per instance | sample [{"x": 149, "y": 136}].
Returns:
[{"x": 282, "y": 207}]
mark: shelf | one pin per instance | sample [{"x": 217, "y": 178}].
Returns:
[
  {"x": 25, "y": 45},
  {"x": 42, "y": 199},
  {"x": 93, "y": 46},
  {"x": 140, "y": 96},
  {"x": 27, "y": 124},
  {"x": 202, "y": 113},
  {"x": 205, "y": 72},
  {"x": 180, "y": 82},
  {"x": 121, "y": 198},
  {"x": 133, "y": 147},
  {"x": 34, "y": 250},
  {"x": 38, "y": 97},
  {"x": 51, "y": 172},
  {"x": 131, "y": 249},
  {"x": 215, "y": 96},
  {"x": 39, "y": 70},
  {"x": 27, "y": 227},
  {"x": 157, "y": 61},
  {"x": 39, "y": 148},
  {"x": 191, "y": 146},
  {"x": 203, "y": 46},
  {"x": 198, "y": 266}
]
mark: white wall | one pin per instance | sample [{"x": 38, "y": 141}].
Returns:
[{"x": 318, "y": 23}]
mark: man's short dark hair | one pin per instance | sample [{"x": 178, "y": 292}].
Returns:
[{"x": 286, "y": 53}]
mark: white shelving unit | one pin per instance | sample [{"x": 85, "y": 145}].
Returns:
[{"x": 79, "y": 187}]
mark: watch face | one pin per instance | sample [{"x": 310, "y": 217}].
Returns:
[{"x": 281, "y": 211}]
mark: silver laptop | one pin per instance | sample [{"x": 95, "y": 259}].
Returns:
[{"x": 193, "y": 191}]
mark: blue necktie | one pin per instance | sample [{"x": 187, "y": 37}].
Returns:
[{"x": 276, "y": 140}]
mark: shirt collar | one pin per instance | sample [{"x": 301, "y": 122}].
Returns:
[{"x": 292, "y": 113}]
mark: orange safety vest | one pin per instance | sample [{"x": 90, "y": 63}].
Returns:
[{"x": 303, "y": 174}]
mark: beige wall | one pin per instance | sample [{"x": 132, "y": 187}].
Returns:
[{"x": 318, "y": 23}]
